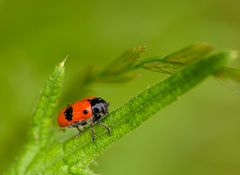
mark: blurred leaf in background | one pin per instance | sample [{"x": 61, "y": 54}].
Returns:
[{"x": 197, "y": 135}]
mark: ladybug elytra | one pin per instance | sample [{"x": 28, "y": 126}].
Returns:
[{"x": 88, "y": 111}]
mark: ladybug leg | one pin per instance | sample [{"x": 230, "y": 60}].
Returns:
[
  {"x": 106, "y": 127},
  {"x": 93, "y": 131},
  {"x": 79, "y": 130},
  {"x": 79, "y": 126}
]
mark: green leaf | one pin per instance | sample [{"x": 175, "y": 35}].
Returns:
[
  {"x": 121, "y": 69},
  {"x": 124, "y": 62},
  {"x": 178, "y": 60},
  {"x": 40, "y": 133}
]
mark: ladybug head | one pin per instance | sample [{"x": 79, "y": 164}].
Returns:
[{"x": 99, "y": 107}]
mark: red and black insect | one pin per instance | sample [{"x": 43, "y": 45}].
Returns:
[{"x": 88, "y": 111}]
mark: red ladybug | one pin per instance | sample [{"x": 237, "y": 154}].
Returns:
[{"x": 87, "y": 111}]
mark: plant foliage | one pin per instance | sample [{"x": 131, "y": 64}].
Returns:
[{"x": 185, "y": 69}]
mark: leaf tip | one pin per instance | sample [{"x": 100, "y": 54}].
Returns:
[{"x": 64, "y": 60}]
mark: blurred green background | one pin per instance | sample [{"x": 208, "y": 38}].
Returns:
[{"x": 198, "y": 134}]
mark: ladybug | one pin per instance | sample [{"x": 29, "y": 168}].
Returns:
[{"x": 88, "y": 111}]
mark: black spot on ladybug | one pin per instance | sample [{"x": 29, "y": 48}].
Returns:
[
  {"x": 68, "y": 113},
  {"x": 85, "y": 112}
]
